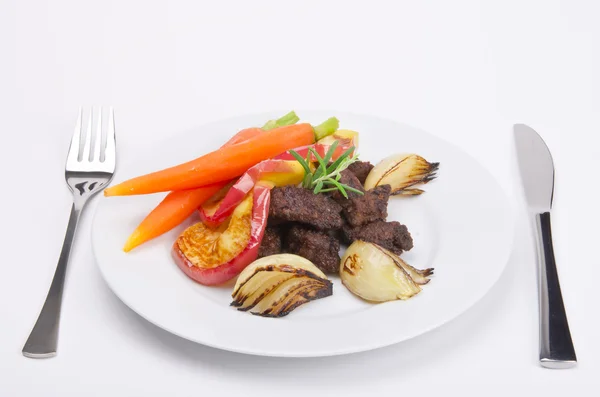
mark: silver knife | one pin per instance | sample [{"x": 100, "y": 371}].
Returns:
[{"x": 537, "y": 175}]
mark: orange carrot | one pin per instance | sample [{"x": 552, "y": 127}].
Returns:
[
  {"x": 174, "y": 209},
  {"x": 177, "y": 206},
  {"x": 223, "y": 164},
  {"x": 243, "y": 135}
]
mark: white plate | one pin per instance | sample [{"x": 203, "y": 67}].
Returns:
[{"x": 462, "y": 226}]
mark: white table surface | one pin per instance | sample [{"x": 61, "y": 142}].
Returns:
[{"x": 463, "y": 70}]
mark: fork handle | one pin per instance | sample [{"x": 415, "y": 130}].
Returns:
[
  {"x": 556, "y": 345},
  {"x": 43, "y": 339}
]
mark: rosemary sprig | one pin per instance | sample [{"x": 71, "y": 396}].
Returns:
[{"x": 326, "y": 177}]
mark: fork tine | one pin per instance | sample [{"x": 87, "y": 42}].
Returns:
[
  {"x": 98, "y": 139},
  {"x": 73, "y": 155},
  {"x": 110, "y": 151},
  {"x": 85, "y": 156}
]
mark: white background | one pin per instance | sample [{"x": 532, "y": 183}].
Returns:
[{"x": 463, "y": 70}]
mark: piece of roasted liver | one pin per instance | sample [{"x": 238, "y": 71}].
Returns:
[
  {"x": 390, "y": 235},
  {"x": 320, "y": 248},
  {"x": 369, "y": 207},
  {"x": 348, "y": 179},
  {"x": 271, "y": 243},
  {"x": 296, "y": 204},
  {"x": 361, "y": 170}
]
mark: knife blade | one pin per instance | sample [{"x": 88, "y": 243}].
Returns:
[
  {"x": 536, "y": 167},
  {"x": 537, "y": 175}
]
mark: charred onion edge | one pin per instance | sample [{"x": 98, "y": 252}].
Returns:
[
  {"x": 423, "y": 273},
  {"x": 282, "y": 268},
  {"x": 407, "y": 192},
  {"x": 241, "y": 300},
  {"x": 393, "y": 168},
  {"x": 296, "y": 291},
  {"x": 386, "y": 253},
  {"x": 295, "y": 287},
  {"x": 350, "y": 269},
  {"x": 430, "y": 174},
  {"x": 324, "y": 292}
]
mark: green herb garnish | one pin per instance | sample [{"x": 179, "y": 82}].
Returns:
[{"x": 326, "y": 177}]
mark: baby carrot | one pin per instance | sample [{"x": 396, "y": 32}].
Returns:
[{"x": 221, "y": 165}]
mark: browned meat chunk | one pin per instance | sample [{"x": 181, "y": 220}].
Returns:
[
  {"x": 370, "y": 207},
  {"x": 403, "y": 240},
  {"x": 271, "y": 242},
  {"x": 349, "y": 179},
  {"x": 319, "y": 248},
  {"x": 294, "y": 204},
  {"x": 361, "y": 169},
  {"x": 391, "y": 235}
]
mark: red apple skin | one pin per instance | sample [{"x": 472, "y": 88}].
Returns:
[
  {"x": 320, "y": 148},
  {"x": 226, "y": 271},
  {"x": 213, "y": 216},
  {"x": 235, "y": 195}
]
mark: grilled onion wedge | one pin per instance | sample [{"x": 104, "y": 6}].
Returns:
[
  {"x": 402, "y": 172},
  {"x": 275, "y": 285},
  {"x": 418, "y": 276},
  {"x": 376, "y": 275}
]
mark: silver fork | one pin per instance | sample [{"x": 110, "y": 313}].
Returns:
[{"x": 86, "y": 174}]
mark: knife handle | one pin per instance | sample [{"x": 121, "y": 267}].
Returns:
[{"x": 556, "y": 345}]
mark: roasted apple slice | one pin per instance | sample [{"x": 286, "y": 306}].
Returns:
[
  {"x": 345, "y": 140},
  {"x": 273, "y": 172},
  {"x": 212, "y": 256}
]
